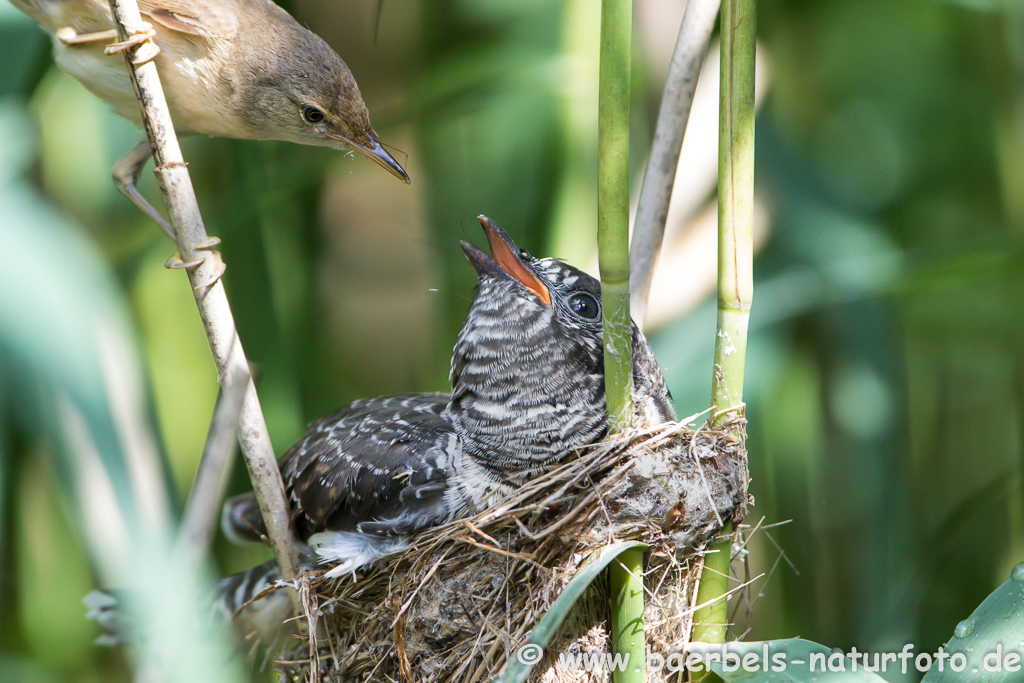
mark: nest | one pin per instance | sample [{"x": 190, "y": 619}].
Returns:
[{"x": 458, "y": 605}]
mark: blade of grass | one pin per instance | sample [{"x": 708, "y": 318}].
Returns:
[{"x": 198, "y": 523}]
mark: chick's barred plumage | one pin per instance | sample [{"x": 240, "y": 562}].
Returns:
[{"x": 527, "y": 380}]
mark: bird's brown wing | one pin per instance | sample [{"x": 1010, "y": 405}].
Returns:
[{"x": 194, "y": 17}]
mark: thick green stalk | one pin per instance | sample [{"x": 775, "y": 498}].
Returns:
[
  {"x": 613, "y": 208},
  {"x": 625, "y": 577},
  {"x": 711, "y": 620},
  {"x": 626, "y": 573},
  {"x": 735, "y": 276},
  {"x": 735, "y": 205}
]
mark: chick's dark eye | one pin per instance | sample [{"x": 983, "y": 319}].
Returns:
[
  {"x": 312, "y": 114},
  {"x": 584, "y": 306},
  {"x": 523, "y": 253}
]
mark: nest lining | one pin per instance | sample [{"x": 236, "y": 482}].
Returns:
[{"x": 456, "y": 605}]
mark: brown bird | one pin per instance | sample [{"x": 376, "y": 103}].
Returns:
[{"x": 229, "y": 68}]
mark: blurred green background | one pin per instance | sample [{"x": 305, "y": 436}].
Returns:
[{"x": 885, "y": 381}]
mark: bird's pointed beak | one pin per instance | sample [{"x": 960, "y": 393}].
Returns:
[
  {"x": 506, "y": 260},
  {"x": 376, "y": 153}
]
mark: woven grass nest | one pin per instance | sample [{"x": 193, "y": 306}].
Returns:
[{"x": 457, "y": 605}]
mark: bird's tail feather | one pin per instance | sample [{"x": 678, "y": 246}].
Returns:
[
  {"x": 241, "y": 520},
  {"x": 246, "y": 600},
  {"x": 104, "y": 610}
]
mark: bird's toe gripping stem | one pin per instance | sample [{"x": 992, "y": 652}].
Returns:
[
  {"x": 143, "y": 37},
  {"x": 69, "y": 36},
  {"x": 175, "y": 262}
]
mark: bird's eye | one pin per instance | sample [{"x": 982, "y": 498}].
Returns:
[
  {"x": 585, "y": 306},
  {"x": 312, "y": 114},
  {"x": 524, "y": 254}
]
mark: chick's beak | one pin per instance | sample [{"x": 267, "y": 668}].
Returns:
[
  {"x": 376, "y": 153},
  {"x": 506, "y": 254}
]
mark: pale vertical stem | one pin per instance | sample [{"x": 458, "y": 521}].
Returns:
[
  {"x": 198, "y": 523},
  {"x": 656, "y": 193},
  {"x": 613, "y": 208},
  {"x": 211, "y": 300},
  {"x": 735, "y": 275}
]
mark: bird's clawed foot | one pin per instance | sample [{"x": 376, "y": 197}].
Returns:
[
  {"x": 142, "y": 37},
  {"x": 70, "y": 36},
  {"x": 208, "y": 254}
]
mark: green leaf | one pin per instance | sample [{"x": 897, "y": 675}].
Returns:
[
  {"x": 783, "y": 661},
  {"x": 528, "y": 654},
  {"x": 991, "y": 640}
]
